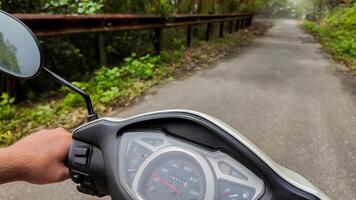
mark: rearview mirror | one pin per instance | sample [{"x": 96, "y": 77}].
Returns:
[
  {"x": 21, "y": 56},
  {"x": 20, "y": 53}
]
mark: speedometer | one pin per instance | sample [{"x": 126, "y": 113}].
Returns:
[
  {"x": 178, "y": 178},
  {"x": 174, "y": 174}
]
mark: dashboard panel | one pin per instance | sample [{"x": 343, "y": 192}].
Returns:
[
  {"x": 154, "y": 166},
  {"x": 173, "y": 155}
]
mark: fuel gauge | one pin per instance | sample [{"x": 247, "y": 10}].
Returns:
[{"x": 233, "y": 191}]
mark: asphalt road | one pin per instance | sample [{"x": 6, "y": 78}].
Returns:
[{"x": 283, "y": 93}]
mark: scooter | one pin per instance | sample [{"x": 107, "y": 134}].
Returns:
[{"x": 171, "y": 154}]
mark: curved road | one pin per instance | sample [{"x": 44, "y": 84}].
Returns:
[{"x": 283, "y": 93}]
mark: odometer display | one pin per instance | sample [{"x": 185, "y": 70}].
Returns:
[{"x": 173, "y": 176}]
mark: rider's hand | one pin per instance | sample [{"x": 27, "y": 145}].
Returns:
[{"x": 40, "y": 157}]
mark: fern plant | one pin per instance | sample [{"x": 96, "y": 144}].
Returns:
[{"x": 7, "y": 109}]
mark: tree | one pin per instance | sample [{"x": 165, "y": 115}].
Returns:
[{"x": 8, "y": 58}]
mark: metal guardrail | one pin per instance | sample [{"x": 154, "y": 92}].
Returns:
[
  {"x": 49, "y": 25},
  {"x": 57, "y": 24}
]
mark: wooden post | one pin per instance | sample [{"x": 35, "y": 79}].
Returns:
[
  {"x": 231, "y": 26},
  {"x": 242, "y": 23},
  {"x": 221, "y": 34},
  {"x": 189, "y": 36},
  {"x": 237, "y": 24},
  {"x": 208, "y": 31},
  {"x": 158, "y": 41},
  {"x": 102, "y": 49}
]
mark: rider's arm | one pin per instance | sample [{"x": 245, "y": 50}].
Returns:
[{"x": 38, "y": 158}]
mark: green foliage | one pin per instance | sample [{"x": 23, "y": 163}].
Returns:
[
  {"x": 40, "y": 114},
  {"x": 338, "y": 33},
  {"x": 139, "y": 68},
  {"x": 250, "y": 6},
  {"x": 178, "y": 45},
  {"x": 165, "y": 57},
  {"x": 110, "y": 83},
  {"x": 7, "y": 138},
  {"x": 13, "y": 122},
  {"x": 7, "y": 109},
  {"x": 72, "y": 99},
  {"x": 161, "y": 7},
  {"x": 106, "y": 83},
  {"x": 122, "y": 44},
  {"x": 74, "y": 6},
  {"x": 311, "y": 26}
]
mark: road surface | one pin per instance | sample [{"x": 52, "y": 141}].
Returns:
[{"x": 283, "y": 93}]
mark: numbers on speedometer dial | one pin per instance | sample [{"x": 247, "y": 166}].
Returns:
[
  {"x": 137, "y": 155},
  {"x": 174, "y": 177}
]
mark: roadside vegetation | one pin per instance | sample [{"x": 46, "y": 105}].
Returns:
[
  {"x": 113, "y": 87},
  {"x": 337, "y": 32}
]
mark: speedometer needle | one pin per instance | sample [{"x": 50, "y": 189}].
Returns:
[
  {"x": 167, "y": 184},
  {"x": 224, "y": 194}
]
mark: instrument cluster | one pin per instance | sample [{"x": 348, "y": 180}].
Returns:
[{"x": 154, "y": 166}]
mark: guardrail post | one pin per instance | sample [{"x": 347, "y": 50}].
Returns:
[
  {"x": 208, "y": 31},
  {"x": 221, "y": 34},
  {"x": 242, "y": 23},
  {"x": 250, "y": 21},
  {"x": 237, "y": 25},
  {"x": 102, "y": 49},
  {"x": 158, "y": 41},
  {"x": 190, "y": 36},
  {"x": 231, "y": 26},
  {"x": 247, "y": 22}
]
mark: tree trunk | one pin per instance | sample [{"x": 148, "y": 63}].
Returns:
[
  {"x": 200, "y": 6},
  {"x": 8, "y": 85}
]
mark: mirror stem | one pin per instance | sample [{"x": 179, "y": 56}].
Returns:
[{"x": 91, "y": 114}]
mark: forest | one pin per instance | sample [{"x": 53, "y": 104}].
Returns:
[{"x": 163, "y": 7}]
